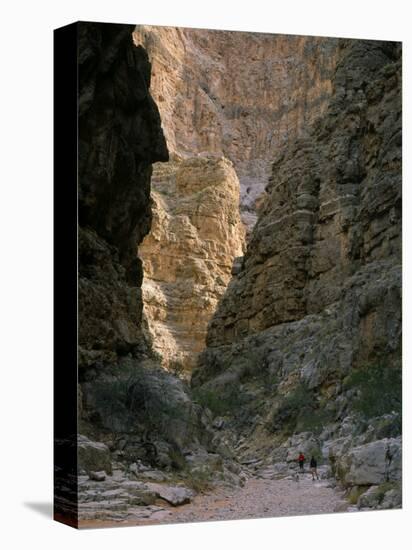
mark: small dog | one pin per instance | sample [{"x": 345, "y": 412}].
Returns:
[{"x": 296, "y": 477}]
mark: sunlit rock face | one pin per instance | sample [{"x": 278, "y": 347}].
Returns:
[
  {"x": 188, "y": 255},
  {"x": 229, "y": 102},
  {"x": 237, "y": 94}
]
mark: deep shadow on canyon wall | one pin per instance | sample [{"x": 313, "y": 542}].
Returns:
[
  {"x": 125, "y": 398},
  {"x": 120, "y": 136}
]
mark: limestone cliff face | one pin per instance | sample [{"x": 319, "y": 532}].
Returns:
[
  {"x": 188, "y": 256},
  {"x": 333, "y": 209},
  {"x": 237, "y": 94},
  {"x": 311, "y": 325}
]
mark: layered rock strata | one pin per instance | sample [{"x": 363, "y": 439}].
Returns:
[
  {"x": 130, "y": 410},
  {"x": 237, "y": 94},
  {"x": 188, "y": 256},
  {"x": 305, "y": 345}
]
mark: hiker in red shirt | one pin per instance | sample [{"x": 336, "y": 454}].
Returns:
[{"x": 301, "y": 460}]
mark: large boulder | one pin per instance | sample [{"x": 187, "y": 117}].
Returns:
[
  {"x": 93, "y": 456},
  {"x": 370, "y": 498},
  {"x": 385, "y": 496},
  {"x": 173, "y": 495},
  {"x": 392, "y": 499},
  {"x": 371, "y": 464}
]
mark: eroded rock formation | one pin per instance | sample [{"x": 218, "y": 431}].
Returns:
[
  {"x": 305, "y": 345},
  {"x": 119, "y": 138},
  {"x": 188, "y": 256},
  {"x": 304, "y": 348},
  {"x": 134, "y": 417},
  {"x": 237, "y": 94}
]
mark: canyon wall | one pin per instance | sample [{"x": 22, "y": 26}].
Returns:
[
  {"x": 120, "y": 137},
  {"x": 129, "y": 407},
  {"x": 237, "y": 94},
  {"x": 188, "y": 256},
  {"x": 305, "y": 345},
  {"x": 222, "y": 95},
  {"x": 137, "y": 423}
]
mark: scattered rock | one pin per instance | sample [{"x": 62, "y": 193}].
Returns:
[
  {"x": 218, "y": 423},
  {"x": 156, "y": 475},
  {"x": 97, "y": 476},
  {"x": 93, "y": 456},
  {"x": 173, "y": 495}
]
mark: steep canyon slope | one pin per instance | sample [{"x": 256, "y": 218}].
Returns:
[
  {"x": 237, "y": 98},
  {"x": 305, "y": 346},
  {"x": 237, "y": 94},
  {"x": 134, "y": 418},
  {"x": 196, "y": 234}
]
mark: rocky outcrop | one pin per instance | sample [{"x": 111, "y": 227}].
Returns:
[
  {"x": 237, "y": 94},
  {"x": 371, "y": 464},
  {"x": 128, "y": 404},
  {"x": 187, "y": 257},
  {"x": 222, "y": 95},
  {"x": 307, "y": 338},
  {"x": 335, "y": 202},
  {"x": 136, "y": 419},
  {"x": 173, "y": 495},
  {"x": 119, "y": 138},
  {"x": 92, "y": 456}
]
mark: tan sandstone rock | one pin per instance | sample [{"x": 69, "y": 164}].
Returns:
[
  {"x": 188, "y": 255},
  {"x": 238, "y": 94}
]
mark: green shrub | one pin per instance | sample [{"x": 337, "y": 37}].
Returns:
[
  {"x": 219, "y": 403},
  {"x": 383, "y": 488},
  {"x": 177, "y": 458},
  {"x": 314, "y": 420},
  {"x": 135, "y": 401},
  {"x": 379, "y": 389},
  {"x": 295, "y": 404},
  {"x": 199, "y": 481},
  {"x": 300, "y": 411},
  {"x": 355, "y": 493}
]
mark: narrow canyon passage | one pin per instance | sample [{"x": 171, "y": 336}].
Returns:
[
  {"x": 224, "y": 120},
  {"x": 292, "y": 345},
  {"x": 260, "y": 497}
]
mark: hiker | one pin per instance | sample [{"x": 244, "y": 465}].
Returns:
[
  {"x": 313, "y": 468},
  {"x": 301, "y": 460}
]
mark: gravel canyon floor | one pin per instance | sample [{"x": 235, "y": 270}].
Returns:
[{"x": 258, "y": 498}]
